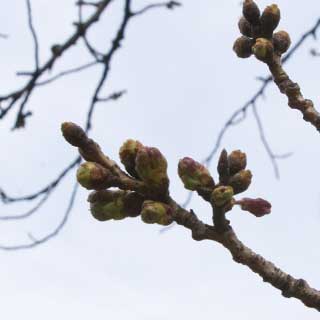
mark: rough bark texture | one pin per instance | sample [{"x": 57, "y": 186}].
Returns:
[
  {"x": 288, "y": 285},
  {"x": 293, "y": 92}
]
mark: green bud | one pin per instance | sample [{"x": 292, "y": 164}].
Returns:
[
  {"x": 241, "y": 181},
  {"x": 237, "y": 161},
  {"x": 251, "y": 11},
  {"x": 151, "y": 166},
  {"x": 108, "y": 204},
  {"x": 245, "y": 27},
  {"x": 263, "y": 50},
  {"x": 194, "y": 175},
  {"x": 270, "y": 19},
  {"x": 92, "y": 175},
  {"x": 73, "y": 134},
  {"x": 128, "y": 153},
  {"x": 281, "y": 41},
  {"x": 222, "y": 195},
  {"x": 243, "y": 47},
  {"x": 156, "y": 212}
]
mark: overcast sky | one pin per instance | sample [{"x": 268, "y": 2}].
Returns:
[{"x": 183, "y": 82}]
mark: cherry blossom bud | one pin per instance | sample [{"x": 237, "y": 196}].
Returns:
[
  {"x": 156, "y": 212},
  {"x": 241, "y": 181},
  {"x": 251, "y": 11},
  {"x": 108, "y": 204},
  {"x": 151, "y": 166},
  {"x": 237, "y": 161},
  {"x": 128, "y": 153},
  {"x": 73, "y": 134},
  {"x": 258, "y": 207},
  {"x": 194, "y": 175},
  {"x": 243, "y": 47},
  {"x": 281, "y": 41},
  {"x": 263, "y": 50},
  {"x": 222, "y": 195},
  {"x": 270, "y": 19},
  {"x": 223, "y": 167},
  {"x": 92, "y": 175},
  {"x": 245, "y": 27}
]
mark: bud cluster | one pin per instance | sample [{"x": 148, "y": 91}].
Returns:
[
  {"x": 233, "y": 177},
  {"x": 99, "y": 173},
  {"x": 145, "y": 163},
  {"x": 258, "y": 35},
  {"x": 144, "y": 192},
  {"x": 232, "y": 171}
]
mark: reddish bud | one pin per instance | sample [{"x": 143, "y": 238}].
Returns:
[{"x": 258, "y": 207}]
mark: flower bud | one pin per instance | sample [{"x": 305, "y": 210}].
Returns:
[
  {"x": 241, "y": 181},
  {"x": 251, "y": 11},
  {"x": 237, "y": 161},
  {"x": 108, "y": 204},
  {"x": 223, "y": 167},
  {"x": 156, "y": 212},
  {"x": 281, "y": 41},
  {"x": 258, "y": 207},
  {"x": 151, "y": 166},
  {"x": 243, "y": 47},
  {"x": 270, "y": 19},
  {"x": 128, "y": 153},
  {"x": 194, "y": 175},
  {"x": 73, "y": 134},
  {"x": 263, "y": 50},
  {"x": 222, "y": 195},
  {"x": 132, "y": 201},
  {"x": 245, "y": 27},
  {"x": 92, "y": 175}
]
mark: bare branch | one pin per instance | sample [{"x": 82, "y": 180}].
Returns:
[
  {"x": 54, "y": 233},
  {"x": 169, "y": 5},
  {"x": 288, "y": 285},
  {"x": 67, "y": 72},
  {"x": 57, "y": 51},
  {"x": 273, "y": 157},
  {"x": 34, "y": 36}
]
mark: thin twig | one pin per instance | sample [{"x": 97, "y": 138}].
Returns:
[
  {"x": 34, "y": 35},
  {"x": 54, "y": 233}
]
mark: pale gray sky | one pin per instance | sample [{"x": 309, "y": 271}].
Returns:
[{"x": 183, "y": 81}]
